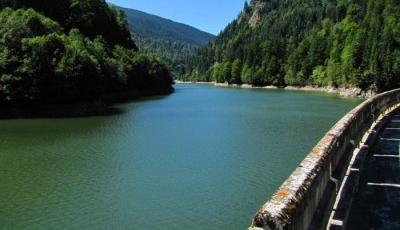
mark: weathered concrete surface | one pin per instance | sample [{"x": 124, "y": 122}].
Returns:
[
  {"x": 377, "y": 205},
  {"x": 339, "y": 215},
  {"x": 307, "y": 196}
]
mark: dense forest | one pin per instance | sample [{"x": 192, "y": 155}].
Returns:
[
  {"x": 336, "y": 43},
  {"x": 68, "y": 51},
  {"x": 173, "y": 42}
]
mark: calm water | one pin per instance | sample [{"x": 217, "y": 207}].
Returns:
[{"x": 201, "y": 158}]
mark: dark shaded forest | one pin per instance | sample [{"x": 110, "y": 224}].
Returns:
[
  {"x": 68, "y": 51},
  {"x": 336, "y": 43}
]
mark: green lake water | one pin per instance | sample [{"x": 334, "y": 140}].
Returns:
[{"x": 201, "y": 158}]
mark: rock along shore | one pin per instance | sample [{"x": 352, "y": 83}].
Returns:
[{"x": 342, "y": 91}]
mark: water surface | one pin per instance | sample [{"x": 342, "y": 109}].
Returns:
[{"x": 201, "y": 158}]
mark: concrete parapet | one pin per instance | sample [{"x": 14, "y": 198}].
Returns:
[{"x": 305, "y": 199}]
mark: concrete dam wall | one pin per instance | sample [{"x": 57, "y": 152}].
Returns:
[{"x": 306, "y": 199}]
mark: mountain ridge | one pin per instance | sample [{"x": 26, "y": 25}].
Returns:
[
  {"x": 200, "y": 41},
  {"x": 173, "y": 42}
]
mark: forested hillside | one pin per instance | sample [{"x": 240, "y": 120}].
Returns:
[
  {"x": 173, "y": 42},
  {"x": 307, "y": 42},
  {"x": 69, "y": 51}
]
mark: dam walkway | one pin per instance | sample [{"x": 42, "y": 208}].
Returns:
[{"x": 377, "y": 203}]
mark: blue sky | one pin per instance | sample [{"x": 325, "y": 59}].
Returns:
[{"x": 208, "y": 15}]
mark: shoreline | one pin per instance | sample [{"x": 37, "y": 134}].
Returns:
[{"x": 353, "y": 92}]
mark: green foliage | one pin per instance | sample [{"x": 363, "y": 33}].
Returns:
[
  {"x": 172, "y": 52},
  {"x": 39, "y": 63},
  {"x": 236, "y": 72},
  {"x": 247, "y": 74},
  {"x": 319, "y": 76},
  {"x": 307, "y": 42},
  {"x": 222, "y": 72},
  {"x": 217, "y": 72},
  {"x": 173, "y": 42},
  {"x": 91, "y": 17}
]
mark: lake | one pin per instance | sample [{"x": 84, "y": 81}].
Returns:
[{"x": 201, "y": 158}]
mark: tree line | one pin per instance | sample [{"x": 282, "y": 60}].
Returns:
[{"x": 336, "y": 43}]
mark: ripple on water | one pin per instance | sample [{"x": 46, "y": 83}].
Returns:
[{"x": 203, "y": 158}]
